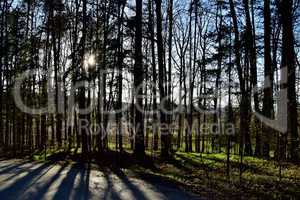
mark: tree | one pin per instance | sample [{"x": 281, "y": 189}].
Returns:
[
  {"x": 120, "y": 57},
  {"x": 268, "y": 71},
  {"x": 181, "y": 47},
  {"x": 244, "y": 102},
  {"x": 154, "y": 75},
  {"x": 138, "y": 73},
  {"x": 250, "y": 59},
  {"x": 81, "y": 98},
  {"x": 289, "y": 74},
  {"x": 170, "y": 45}
]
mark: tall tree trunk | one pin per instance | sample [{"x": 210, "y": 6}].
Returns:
[
  {"x": 288, "y": 62},
  {"x": 170, "y": 46},
  {"x": 244, "y": 104},
  {"x": 139, "y": 149},
  {"x": 251, "y": 55},
  {"x": 1, "y": 69},
  {"x": 165, "y": 146},
  {"x": 82, "y": 100},
  {"x": 44, "y": 93},
  {"x": 120, "y": 77},
  {"x": 219, "y": 23},
  {"x": 268, "y": 71},
  {"x": 104, "y": 137},
  {"x": 230, "y": 118},
  {"x": 56, "y": 51},
  {"x": 181, "y": 115},
  {"x": 154, "y": 75},
  {"x": 191, "y": 86}
]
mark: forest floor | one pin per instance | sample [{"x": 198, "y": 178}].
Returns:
[
  {"x": 205, "y": 174},
  {"x": 182, "y": 175},
  {"x": 25, "y": 179}
]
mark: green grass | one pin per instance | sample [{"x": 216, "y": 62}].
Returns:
[{"x": 206, "y": 174}]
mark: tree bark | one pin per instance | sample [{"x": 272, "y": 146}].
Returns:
[
  {"x": 165, "y": 146},
  {"x": 288, "y": 62},
  {"x": 139, "y": 149}
]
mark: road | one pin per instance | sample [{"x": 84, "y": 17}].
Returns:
[{"x": 23, "y": 179}]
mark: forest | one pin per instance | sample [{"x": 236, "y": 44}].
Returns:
[{"x": 197, "y": 96}]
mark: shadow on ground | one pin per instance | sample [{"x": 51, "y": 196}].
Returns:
[{"x": 21, "y": 179}]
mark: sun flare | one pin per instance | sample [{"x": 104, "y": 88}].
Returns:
[{"x": 90, "y": 61}]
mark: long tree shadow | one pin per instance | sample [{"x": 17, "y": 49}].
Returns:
[
  {"x": 137, "y": 193},
  {"x": 109, "y": 192},
  {"x": 18, "y": 188},
  {"x": 6, "y": 166},
  {"x": 67, "y": 185},
  {"x": 42, "y": 191},
  {"x": 76, "y": 184},
  {"x": 2, "y": 158},
  {"x": 13, "y": 167},
  {"x": 162, "y": 187},
  {"x": 82, "y": 191}
]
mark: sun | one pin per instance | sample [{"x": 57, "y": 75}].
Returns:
[{"x": 89, "y": 61}]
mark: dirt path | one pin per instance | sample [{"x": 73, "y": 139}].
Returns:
[{"x": 21, "y": 179}]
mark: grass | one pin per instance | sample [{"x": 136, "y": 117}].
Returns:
[{"x": 205, "y": 174}]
